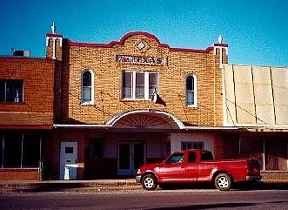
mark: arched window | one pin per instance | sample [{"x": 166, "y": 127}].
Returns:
[
  {"x": 87, "y": 94},
  {"x": 191, "y": 90}
]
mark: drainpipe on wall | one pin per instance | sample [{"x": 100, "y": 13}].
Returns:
[
  {"x": 263, "y": 154},
  {"x": 239, "y": 146}
]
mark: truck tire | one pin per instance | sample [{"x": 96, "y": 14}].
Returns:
[
  {"x": 149, "y": 182},
  {"x": 223, "y": 182}
]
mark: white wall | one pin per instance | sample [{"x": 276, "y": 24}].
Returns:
[{"x": 177, "y": 138}]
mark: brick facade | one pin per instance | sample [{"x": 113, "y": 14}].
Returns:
[
  {"x": 179, "y": 63},
  {"x": 37, "y": 108}
]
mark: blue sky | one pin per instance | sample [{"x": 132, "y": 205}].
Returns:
[{"x": 256, "y": 30}]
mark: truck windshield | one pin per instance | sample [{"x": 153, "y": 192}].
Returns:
[{"x": 175, "y": 158}]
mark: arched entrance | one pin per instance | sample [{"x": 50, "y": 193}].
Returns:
[{"x": 142, "y": 136}]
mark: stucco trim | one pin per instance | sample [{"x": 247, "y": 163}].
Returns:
[{"x": 120, "y": 115}]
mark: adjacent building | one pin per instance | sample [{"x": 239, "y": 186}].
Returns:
[{"x": 26, "y": 114}]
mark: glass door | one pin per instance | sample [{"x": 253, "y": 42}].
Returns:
[{"x": 130, "y": 157}]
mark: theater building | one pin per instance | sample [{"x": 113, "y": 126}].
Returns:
[
  {"x": 133, "y": 101},
  {"x": 101, "y": 110}
]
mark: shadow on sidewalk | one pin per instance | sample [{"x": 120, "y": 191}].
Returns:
[{"x": 236, "y": 187}]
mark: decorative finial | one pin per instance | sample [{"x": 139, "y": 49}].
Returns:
[
  {"x": 220, "y": 39},
  {"x": 53, "y": 28}
]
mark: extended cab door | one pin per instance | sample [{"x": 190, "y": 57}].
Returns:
[
  {"x": 191, "y": 166},
  {"x": 172, "y": 169}
]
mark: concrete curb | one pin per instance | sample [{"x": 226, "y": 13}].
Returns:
[{"x": 99, "y": 186}]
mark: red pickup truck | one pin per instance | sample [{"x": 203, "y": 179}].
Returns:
[{"x": 197, "y": 166}]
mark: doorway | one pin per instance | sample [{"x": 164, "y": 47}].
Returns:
[
  {"x": 68, "y": 155},
  {"x": 130, "y": 157}
]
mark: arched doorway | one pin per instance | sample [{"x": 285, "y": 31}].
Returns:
[{"x": 142, "y": 136}]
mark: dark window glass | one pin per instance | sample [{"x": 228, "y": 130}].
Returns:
[
  {"x": 192, "y": 157},
  {"x": 2, "y": 91},
  {"x": 1, "y": 151},
  {"x": 138, "y": 155},
  {"x": 153, "y": 83},
  {"x": 86, "y": 86},
  {"x": 69, "y": 150},
  {"x": 206, "y": 155},
  {"x": 12, "y": 157},
  {"x": 95, "y": 149},
  {"x": 192, "y": 145},
  {"x": 175, "y": 158},
  {"x": 139, "y": 85},
  {"x": 86, "y": 78},
  {"x": 11, "y": 91},
  {"x": 31, "y": 151},
  {"x": 124, "y": 156},
  {"x": 127, "y": 85},
  {"x": 14, "y": 91},
  {"x": 190, "y": 94}
]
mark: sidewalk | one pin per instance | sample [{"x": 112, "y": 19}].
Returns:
[{"x": 70, "y": 185}]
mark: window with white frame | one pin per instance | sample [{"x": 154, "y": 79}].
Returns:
[
  {"x": 87, "y": 92},
  {"x": 192, "y": 145},
  {"x": 11, "y": 91},
  {"x": 191, "y": 84},
  {"x": 139, "y": 85}
]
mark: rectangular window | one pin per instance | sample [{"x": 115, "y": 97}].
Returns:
[
  {"x": 86, "y": 94},
  {"x": 192, "y": 157},
  {"x": 192, "y": 145},
  {"x": 19, "y": 151},
  {"x": 127, "y": 85},
  {"x": 139, "y": 85},
  {"x": 153, "y": 83},
  {"x": 12, "y": 157},
  {"x": 11, "y": 91}
]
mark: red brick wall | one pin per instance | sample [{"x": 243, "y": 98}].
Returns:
[
  {"x": 38, "y": 77},
  {"x": 19, "y": 174}
]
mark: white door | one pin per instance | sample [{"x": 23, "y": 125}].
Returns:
[
  {"x": 130, "y": 157},
  {"x": 68, "y": 155}
]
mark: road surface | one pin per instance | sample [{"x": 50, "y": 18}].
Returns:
[{"x": 157, "y": 200}]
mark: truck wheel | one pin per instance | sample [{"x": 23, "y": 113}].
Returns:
[
  {"x": 149, "y": 182},
  {"x": 223, "y": 182}
]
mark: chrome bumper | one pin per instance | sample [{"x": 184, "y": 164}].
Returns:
[
  {"x": 138, "y": 178},
  {"x": 253, "y": 178}
]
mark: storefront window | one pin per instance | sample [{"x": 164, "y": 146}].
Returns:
[
  {"x": 31, "y": 151},
  {"x": 19, "y": 151},
  {"x": 12, "y": 151}
]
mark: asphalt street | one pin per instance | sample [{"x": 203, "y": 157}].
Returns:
[{"x": 157, "y": 200}]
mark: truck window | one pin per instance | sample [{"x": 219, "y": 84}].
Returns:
[
  {"x": 206, "y": 155},
  {"x": 192, "y": 157},
  {"x": 175, "y": 158}
]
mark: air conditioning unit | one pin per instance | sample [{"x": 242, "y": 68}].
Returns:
[{"x": 23, "y": 53}]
